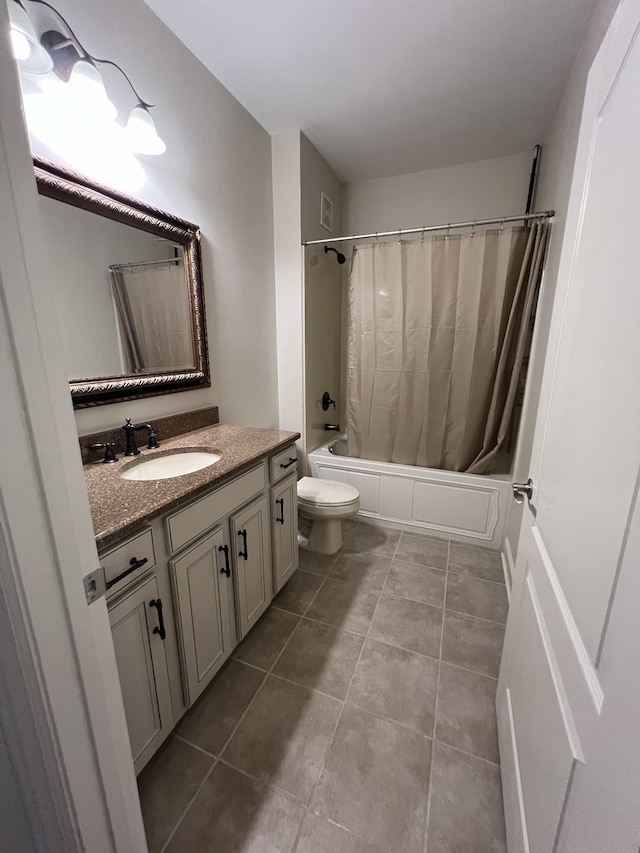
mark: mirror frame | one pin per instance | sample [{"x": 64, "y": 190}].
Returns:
[{"x": 63, "y": 184}]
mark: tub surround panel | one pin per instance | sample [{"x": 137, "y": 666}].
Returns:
[
  {"x": 469, "y": 507},
  {"x": 119, "y": 507},
  {"x": 165, "y": 428}
]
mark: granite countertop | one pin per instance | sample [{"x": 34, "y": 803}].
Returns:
[{"x": 119, "y": 507}]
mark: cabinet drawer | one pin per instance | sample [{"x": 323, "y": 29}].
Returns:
[
  {"x": 284, "y": 463},
  {"x": 186, "y": 524},
  {"x": 128, "y": 561}
]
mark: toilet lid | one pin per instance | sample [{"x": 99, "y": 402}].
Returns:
[{"x": 326, "y": 492}]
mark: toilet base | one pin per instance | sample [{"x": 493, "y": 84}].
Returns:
[{"x": 325, "y": 536}]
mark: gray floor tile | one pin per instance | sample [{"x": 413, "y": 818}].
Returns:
[
  {"x": 472, "y": 643},
  {"x": 466, "y": 713},
  {"x": 362, "y": 569},
  {"x": 408, "y": 624},
  {"x": 298, "y": 593},
  {"x": 372, "y": 539},
  {"x": 320, "y": 657},
  {"x": 317, "y": 564},
  {"x": 265, "y": 641},
  {"x": 344, "y": 605},
  {"x": 396, "y": 684},
  {"x": 284, "y": 736},
  {"x": 349, "y": 525},
  {"x": 211, "y": 721},
  {"x": 476, "y": 597},
  {"x": 166, "y": 786},
  {"x": 375, "y": 781},
  {"x": 321, "y": 836},
  {"x": 420, "y": 583},
  {"x": 423, "y": 550},
  {"x": 235, "y": 814},
  {"x": 465, "y": 812},
  {"x": 479, "y": 562}
]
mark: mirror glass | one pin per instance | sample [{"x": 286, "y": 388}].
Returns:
[{"x": 128, "y": 290}]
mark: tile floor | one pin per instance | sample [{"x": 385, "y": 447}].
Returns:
[{"x": 357, "y": 717}]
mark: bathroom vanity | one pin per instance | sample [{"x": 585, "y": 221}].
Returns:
[{"x": 191, "y": 563}]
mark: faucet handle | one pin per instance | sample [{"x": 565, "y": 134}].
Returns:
[
  {"x": 129, "y": 431},
  {"x": 327, "y": 401},
  {"x": 109, "y": 452},
  {"x": 153, "y": 440}
]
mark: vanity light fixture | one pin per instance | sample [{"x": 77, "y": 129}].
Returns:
[
  {"x": 63, "y": 53},
  {"x": 26, "y": 47}
]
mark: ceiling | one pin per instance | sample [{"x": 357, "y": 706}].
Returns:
[{"x": 387, "y": 88}]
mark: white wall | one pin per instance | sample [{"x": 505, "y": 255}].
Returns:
[
  {"x": 322, "y": 286},
  {"x": 316, "y": 177},
  {"x": 216, "y": 172},
  {"x": 305, "y": 361},
  {"x": 288, "y": 278},
  {"x": 479, "y": 190},
  {"x": 556, "y": 171}
]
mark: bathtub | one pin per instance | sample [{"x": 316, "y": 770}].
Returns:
[{"x": 470, "y": 508}]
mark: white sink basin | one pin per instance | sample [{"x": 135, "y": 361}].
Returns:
[{"x": 173, "y": 465}]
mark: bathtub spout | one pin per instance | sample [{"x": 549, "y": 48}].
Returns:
[{"x": 332, "y": 427}]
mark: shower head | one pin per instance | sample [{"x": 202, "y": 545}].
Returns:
[{"x": 341, "y": 258}]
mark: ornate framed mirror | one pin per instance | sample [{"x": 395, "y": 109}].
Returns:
[{"x": 128, "y": 290}]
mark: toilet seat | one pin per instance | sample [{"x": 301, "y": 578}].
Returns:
[{"x": 326, "y": 493}]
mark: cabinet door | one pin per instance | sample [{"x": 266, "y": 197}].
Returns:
[
  {"x": 204, "y": 599},
  {"x": 250, "y": 531},
  {"x": 284, "y": 513},
  {"x": 136, "y": 626}
]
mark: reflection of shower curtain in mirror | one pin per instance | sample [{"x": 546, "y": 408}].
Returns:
[
  {"x": 153, "y": 314},
  {"x": 438, "y": 330}
]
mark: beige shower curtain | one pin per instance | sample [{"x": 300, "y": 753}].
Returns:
[
  {"x": 437, "y": 335},
  {"x": 152, "y": 305}
]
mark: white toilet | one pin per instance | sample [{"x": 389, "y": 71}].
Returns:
[{"x": 323, "y": 504}]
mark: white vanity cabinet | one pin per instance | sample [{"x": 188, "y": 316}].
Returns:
[
  {"x": 186, "y": 589},
  {"x": 284, "y": 515},
  {"x": 137, "y": 628},
  {"x": 203, "y": 593},
  {"x": 251, "y": 539},
  {"x": 223, "y": 582}
]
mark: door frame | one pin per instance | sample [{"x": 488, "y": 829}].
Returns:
[
  {"x": 579, "y": 679},
  {"x": 61, "y": 712}
]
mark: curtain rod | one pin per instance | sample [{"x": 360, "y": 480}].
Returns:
[
  {"x": 543, "y": 214},
  {"x": 145, "y": 263}
]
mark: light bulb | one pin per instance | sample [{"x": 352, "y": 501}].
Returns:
[
  {"x": 20, "y": 45},
  {"x": 26, "y": 48},
  {"x": 142, "y": 136},
  {"x": 86, "y": 87}
]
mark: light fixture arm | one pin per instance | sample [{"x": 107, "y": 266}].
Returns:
[
  {"x": 140, "y": 103},
  {"x": 84, "y": 52}
]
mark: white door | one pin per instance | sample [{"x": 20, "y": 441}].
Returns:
[
  {"x": 561, "y": 686},
  {"x": 61, "y": 714}
]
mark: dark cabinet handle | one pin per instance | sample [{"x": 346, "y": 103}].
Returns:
[
  {"x": 292, "y": 461},
  {"x": 280, "y": 518},
  {"x": 133, "y": 565},
  {"x": 156, "y": 602},
  {"x": 245, "y": 553},
  {"x": 226, "y": 571}
]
